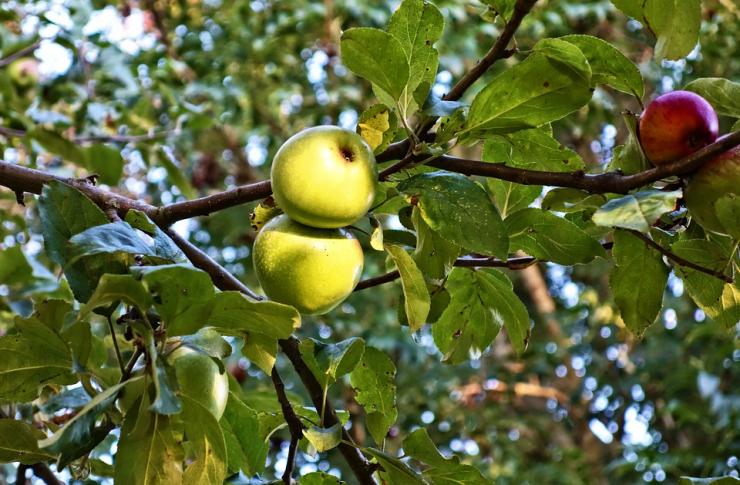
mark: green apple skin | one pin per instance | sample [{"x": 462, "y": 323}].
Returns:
[
  {"x": 324, "y": 177},
  {"x": 24, "y": 72},
  {"x": 312, "y": 269},
  {"x": 200, "y": 379},
  {"x": 716, "y": 178}
]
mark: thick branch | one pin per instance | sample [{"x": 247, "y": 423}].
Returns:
[
  {"x": 610, "y": 182},
  {"x": 294, "y": 424},
  {"x": 679, "y": 260},
  {"x": 212, "y": 203}
]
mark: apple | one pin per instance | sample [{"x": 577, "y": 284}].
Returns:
[
  {"x": 24, "y": 72},
  {"x": 324, "y": 177},
  {"x": 199, "y": 378},
  {"x": 312, "y": 269},
  {"x": 716, "y": 178},
  {"x": 675, "y": 125}
]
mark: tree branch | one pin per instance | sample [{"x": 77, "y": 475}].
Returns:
[
  {"x": 354, "y": 457},
  {"x": 497, "y": 52},
  {"x": 20, "y": 53},
  {"x": 294, "y": 424},
  {"x": 610, "y": 182},
  {"x": 518, "y": 263},
  {"x": 679, "y": 260}
]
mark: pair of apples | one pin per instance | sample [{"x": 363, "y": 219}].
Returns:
[
  {"x": 323, "y": 179},
  {"x": 677, "y": 124}
]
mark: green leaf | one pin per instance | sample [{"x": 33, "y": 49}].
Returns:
[
  {"x": 106, "y": 162},
  {"x": 114, "y": 288},
  {"x": 727, "y": 210},
  {"x": 175, "y": 173},
  {"x": 64, "y": 212},
  {"x": 319, "y": 478},
  {"x": 261, "y": 350},
  {"x": 637, "y": 281},
  {"x": 234, "y": 312},
  {"x": 182, "y": 295},
  {"x": 727, "y": 480},
  {"x": 163, "y": 246},
  {"x": 395, "y": 472},
  {"x": 481, "y": 302},
  {"x": 726, "y": 312},
  {"x": 416, "y": 295},
  {"x": 207, "y": 441},
  {"x": 246, "y": 451},
  {"x": 630, "y": 158},
  {"x": 113, "y": 238},
  {"x": 331, "y": 361},
  {"x": 551, "y": 83},
  {"x": 676, "y": 24},
  {"x": 510, "y": 197},
  {"x": 434, "y": 255},
  {"x": 377, "y": 125},
  {"x": 149, "y": 452},
  {"x": 14, "y": 266},
  {"x": 18, "y": 443},
  {"x": 57, "y": 145},
  {"x": 504, "y": 8},
  {"x": 459, "y": 210},
  {"x": 632, "y": 8},
  {"x": 608, "y": 65},
  {"x": 31, "y": 358},
  {"x": 375, "y": 389},
  {"x": 376, "y": 56},
  {"x": 704, "y": 289},
  {"x": 166, "y": 400},
  {"x": 417, "y": 25},
  {"x": 534, "y": 149},
  {"x": 441, "y": 471},
  {"x": 637, "y": 211},
  {"x": 324, "y": 439},
  {"x": 80, "y": 435},
  {"x": 563, "y": 199},
  {"x": 548, "y": 237},
  {"x": 722, "y": 94}
]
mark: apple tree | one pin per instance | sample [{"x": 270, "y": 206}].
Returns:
[{"x": 543, "y": 289}]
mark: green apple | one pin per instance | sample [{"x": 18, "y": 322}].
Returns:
[
  {"x": 24, "y": 72},
  {"x": 324, "y": 177},
  {"x": 716, "y": 178},
  {"x": 199, "y": 378},
  {"x": 312, "y": 269}
]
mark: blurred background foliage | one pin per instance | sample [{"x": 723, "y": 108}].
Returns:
[{"x": 196, "y": 96}]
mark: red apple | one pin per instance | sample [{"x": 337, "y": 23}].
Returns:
[
  {"x": 675, "y": 125},
  {"x": 716, "y": 178}
]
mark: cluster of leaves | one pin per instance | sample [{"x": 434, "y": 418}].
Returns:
[{"x": 129, "y": 291}]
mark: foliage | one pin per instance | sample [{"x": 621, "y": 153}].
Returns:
[{"x": 617, "y": 358}]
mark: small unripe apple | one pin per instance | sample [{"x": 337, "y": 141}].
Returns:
[
  {"x": 675, "y": 125},
  {"x": 324, "y": 177},
  {"x": 312, "y": 269},
  {"x": 199, "y": 378},
  {"x": 24, "y": 72},
  {"x": 716, "y": 178}
]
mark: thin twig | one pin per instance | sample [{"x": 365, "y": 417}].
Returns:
[
  {"x": 678, "y": 259},
  {"x": 517, "y": 263},
  {"x": 126, "y": 374},
  {"x": 294, "y": 424},
  {"x": 20, "y": 53},
  {"x": 115, "y": 344}
]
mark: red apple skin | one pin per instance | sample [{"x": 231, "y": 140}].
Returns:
[
  {"x": 675, "y": 125},
  {"x": 716, "y": 178}
]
